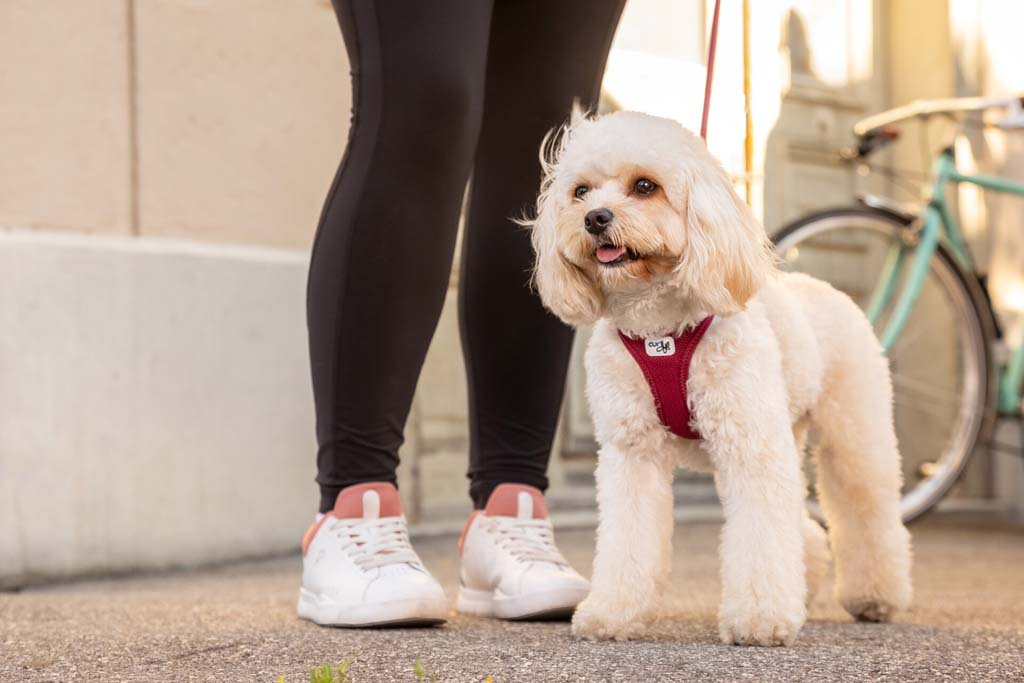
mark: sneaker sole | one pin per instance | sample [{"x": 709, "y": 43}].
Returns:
[
  {"x": 553, "y": 604},
  {"x": 412, "y": 612}
]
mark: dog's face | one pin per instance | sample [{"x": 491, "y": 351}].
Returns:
[{"x": 630, "y": 202}]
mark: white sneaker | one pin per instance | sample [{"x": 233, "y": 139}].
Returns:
[
  {"x": 511, "y": 568},
  {"x": 358, "y": 568}
]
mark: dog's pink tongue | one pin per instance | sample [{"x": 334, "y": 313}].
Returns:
[{"x": 609, "y": 254}]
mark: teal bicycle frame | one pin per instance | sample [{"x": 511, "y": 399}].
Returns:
[{"x": 938, "y": 225}]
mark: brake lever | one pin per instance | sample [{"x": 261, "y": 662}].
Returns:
[{"x": 1014, "y": 116}]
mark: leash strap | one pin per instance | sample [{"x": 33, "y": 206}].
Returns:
[
  {"x": 712, "y": 45},
  {"x": 665, "y": 362}
]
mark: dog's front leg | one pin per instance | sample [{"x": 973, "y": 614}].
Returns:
[
  {"x": 763, "y": 581},
  {"x": 757, "y": 472},
  {"x": 634, "y": 535}
]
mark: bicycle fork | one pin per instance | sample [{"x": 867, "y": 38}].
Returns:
[{"x": 927, "y": 242}]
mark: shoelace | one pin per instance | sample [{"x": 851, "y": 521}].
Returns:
[
  {"x": 529, "y": 540},
  {"x": 376, "y": 542}
]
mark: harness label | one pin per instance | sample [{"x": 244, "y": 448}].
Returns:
[{"x": 660, "y": 346}]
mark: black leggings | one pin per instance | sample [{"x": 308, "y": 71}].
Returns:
[{"x": 442, "y": 90}]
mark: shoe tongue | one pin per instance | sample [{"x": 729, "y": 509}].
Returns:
[
  {"x": 516, "y": 500},
  {"x": 368, "y": 501}
]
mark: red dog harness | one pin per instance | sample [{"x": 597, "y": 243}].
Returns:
[{"x": 665, "y": 362}]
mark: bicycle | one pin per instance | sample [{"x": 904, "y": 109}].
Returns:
[{"x": 913, "y": 273}]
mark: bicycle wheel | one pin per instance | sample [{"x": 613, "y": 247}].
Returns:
[{"x": 942, "y": 370}]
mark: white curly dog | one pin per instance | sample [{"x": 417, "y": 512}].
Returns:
[{"x": 638, "y": 231}]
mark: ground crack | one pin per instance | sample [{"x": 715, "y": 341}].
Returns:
[{"x": 193, "y": 653}]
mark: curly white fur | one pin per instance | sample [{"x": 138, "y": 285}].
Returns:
[{"x": 785, "y": 352}]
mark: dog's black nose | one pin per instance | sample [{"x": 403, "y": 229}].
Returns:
[{"x": 597, "y": 221}]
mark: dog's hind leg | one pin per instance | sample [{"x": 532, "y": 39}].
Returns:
[
  {"x": 816, "y": 556},
  {"x": 816, "y": 552},
  {"x": 858, "y": 483}
]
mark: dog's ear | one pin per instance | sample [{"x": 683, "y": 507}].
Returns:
[
  {"x": 564, "y": 288},
  {"x": 727, "y": 254}
]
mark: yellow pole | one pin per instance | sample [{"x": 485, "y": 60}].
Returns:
[{"x": 748, "y": 147}]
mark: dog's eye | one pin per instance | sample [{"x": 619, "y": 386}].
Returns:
[
  {"x": 580, "y": 191},
  {"x": 644, "y": 186}
]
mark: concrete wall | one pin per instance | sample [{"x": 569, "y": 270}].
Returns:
[
  {"x": 155, "y": 407},
  {"x": 65, "y": 112},
  {"x": 216, "y": 121},
  {"x": 919, "y": 68},
  {"x": 243, "y": 111}
]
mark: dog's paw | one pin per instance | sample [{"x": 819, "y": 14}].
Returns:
[
  {"x": 597, "y": 618},
  {"x": 869, "y": 609},
  {"x": 758, "y": 628},
  {"x": 876, "y": 584},
  {"x": 878, "y": 599}
]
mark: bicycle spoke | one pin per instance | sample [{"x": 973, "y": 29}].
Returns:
[
  {"x": 926, "y": 390},
  {"x": 905, "y": 342},
  {"x": 917, "y": 406}
]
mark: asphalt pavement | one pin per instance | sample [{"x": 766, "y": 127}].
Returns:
[{"x": 237, "y": 623}]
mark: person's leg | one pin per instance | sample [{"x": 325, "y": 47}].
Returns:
[
  {"x": 383, "y": 250},
  {"x": 542, "y": 55}
]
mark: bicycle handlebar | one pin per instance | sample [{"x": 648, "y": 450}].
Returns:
[{"x": 926, "y": 108}]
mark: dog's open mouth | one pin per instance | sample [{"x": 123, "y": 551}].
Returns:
[{"x": 609, "y": 254}]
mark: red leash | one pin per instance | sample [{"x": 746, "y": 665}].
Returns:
[{"x": 712, "y": 44}]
